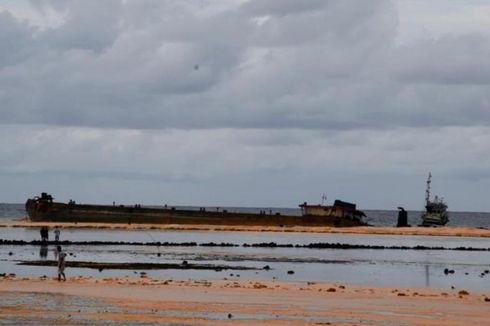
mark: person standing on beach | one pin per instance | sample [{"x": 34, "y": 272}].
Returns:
[
  {"x": 61, "y": 264},
  {"x": 44, "y": 234},
  {"x": 57, "y": 234}
]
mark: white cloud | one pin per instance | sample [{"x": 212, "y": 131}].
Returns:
[
  {"x": 222, "y": 160},
  {"x": 244, "y": 95}
]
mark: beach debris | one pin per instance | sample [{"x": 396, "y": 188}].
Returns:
[
  {"x": 10, "y": 253},
  {"x": 401, "y": 294},
  {"x": 487, "y": 299},
  {"x": 402, "y": 218},
  {"x": 448, "y": 271},
  {"x": 331, "y": 290},
  {"x": 341, "y": 287},
  {"x": 463, "y": 292},
  {"x": 260, "y": 286},
  {"x": 266, "y": 267},
  {"x": 290, "y": 272},
  {"x": 185, "y": 263},
  {"x": 486, "y": 271}
]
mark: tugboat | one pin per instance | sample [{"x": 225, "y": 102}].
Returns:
[{"x": 435, "y": 211}]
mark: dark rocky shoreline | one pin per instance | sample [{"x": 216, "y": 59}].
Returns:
[
  {"x": 317, "y": 245},
  {"x": 137, "y": 266}
]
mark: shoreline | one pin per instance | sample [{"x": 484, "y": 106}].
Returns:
[
  {"x": 456, "y": 231},
  {"x": 239, "y": 301}
]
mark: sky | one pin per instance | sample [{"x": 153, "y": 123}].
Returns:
[{"x": 262, "y": 103}]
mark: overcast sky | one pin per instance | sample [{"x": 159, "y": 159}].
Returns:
[{"x": 246, "y": 103}]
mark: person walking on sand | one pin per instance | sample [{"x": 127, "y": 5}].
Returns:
[
  {"x": 57, "y": 234},
  {"x": 61, "y": 264}
]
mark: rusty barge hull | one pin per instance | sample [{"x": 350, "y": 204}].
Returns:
[{"x": 39, "y": 211}]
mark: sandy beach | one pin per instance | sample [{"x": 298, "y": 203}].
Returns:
[
  {"x": 172, "y": 298},
  {"x": 85, "y": 300},
  {"x": 208, "y": 162},
  {"x": 458, "y": 231}
]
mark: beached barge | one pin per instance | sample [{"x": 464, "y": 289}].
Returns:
[{"x": 45, "y": 209}]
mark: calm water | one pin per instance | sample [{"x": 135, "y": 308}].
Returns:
[
  {"x": 420, "y": 268},
  {"x": 374, "y": 217},
  {"x": 380, "y": 267}
]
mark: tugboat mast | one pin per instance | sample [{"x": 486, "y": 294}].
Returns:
[
  {"x": 324, "y": 198},
  {"x": 427, "y": 191}
]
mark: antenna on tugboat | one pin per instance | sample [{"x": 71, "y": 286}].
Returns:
[
  {"x": 427, "y": 191},
  {"x": 324, "y": 198}
]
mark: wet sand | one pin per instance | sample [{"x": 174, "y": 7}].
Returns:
[
  {"x": 459, "y": 231},
  {"x": 84, "y": 300}
]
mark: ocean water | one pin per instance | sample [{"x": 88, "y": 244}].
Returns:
[
  {"x": 374, "y": 217},
  {"x": 384, "y": 267},
  {"x": 12, "y": 211}
]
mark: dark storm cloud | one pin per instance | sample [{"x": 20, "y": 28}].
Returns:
[
  {"x": 15, "y": 39},
  {"x": 450, "y": 60},
  {"x": 263, "y": 64},
  {"x": 90, "y": 25},
  {"x": 283, "y": 7}
]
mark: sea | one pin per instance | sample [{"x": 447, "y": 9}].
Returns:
[{"x": 410, "y": 266}]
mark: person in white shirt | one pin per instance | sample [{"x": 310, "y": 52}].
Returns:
[{"x": 57, "y": 234}]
